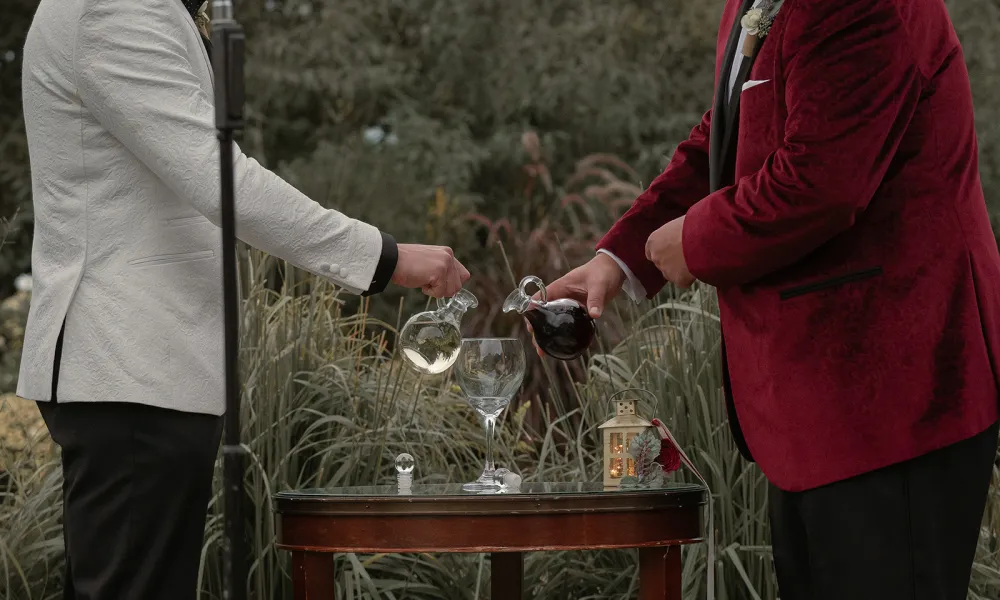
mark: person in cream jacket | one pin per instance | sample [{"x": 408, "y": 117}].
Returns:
[{"x": 124, "y": 342}]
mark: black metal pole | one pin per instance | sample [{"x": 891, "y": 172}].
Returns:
[{"x": 227, "y": 62}]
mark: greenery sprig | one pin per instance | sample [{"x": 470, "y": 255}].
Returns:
[{"x": 644, "y": 450}]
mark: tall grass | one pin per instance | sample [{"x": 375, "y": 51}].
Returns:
[{"x": 326, "y": 403}]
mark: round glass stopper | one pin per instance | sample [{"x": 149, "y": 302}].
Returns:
[{"x": 404, "y": 463}]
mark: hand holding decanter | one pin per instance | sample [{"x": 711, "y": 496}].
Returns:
[{"x": 562, "y": 328}]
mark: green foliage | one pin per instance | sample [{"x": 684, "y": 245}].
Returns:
[
  {"x": 644, "y": 448},
  {"x": 455, "y": 85},
  {"x": 15, "y": 180}
]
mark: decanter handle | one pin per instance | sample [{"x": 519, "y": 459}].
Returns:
[
  {"x": 531, "y": 279},
  {"x": 519, "y": 299}
]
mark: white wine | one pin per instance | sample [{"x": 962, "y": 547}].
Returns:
[
  {"x": 431, "y": 346},
  {"x": 418, "y": 362}
]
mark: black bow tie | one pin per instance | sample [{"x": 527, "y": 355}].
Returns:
[{"x": 193, "y": 6}]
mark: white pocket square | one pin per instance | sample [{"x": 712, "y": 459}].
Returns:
[{"x": 753, "y": 83}]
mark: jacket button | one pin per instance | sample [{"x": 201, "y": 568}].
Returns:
[
  {"x": 333, "y": 268},
  {"x": 343, "y": 272}
]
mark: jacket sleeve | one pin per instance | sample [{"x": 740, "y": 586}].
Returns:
[
  {"x": 851, "y": 87},
  {"x": 670, "y": 195},
  {"x": 135, "y": 77}
]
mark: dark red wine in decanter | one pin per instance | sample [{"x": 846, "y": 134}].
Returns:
[{"x": 563, "y": 329}]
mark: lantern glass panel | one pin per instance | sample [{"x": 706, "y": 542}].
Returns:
[
  {"x": 615, "y": 468},
  {"x": 630, "y": 467},
  {"x": 617, "y": 446}
]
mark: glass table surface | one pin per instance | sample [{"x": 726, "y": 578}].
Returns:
[{"x": 446, "y": 490}]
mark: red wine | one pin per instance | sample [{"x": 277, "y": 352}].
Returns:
[{"x": 562, "y": 328}]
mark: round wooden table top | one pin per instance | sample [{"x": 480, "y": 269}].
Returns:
[{"x": 444, "y": 518}]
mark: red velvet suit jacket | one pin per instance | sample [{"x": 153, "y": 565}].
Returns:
[{"x": 848, "y": 239}]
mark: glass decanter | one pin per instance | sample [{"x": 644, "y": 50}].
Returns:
[
  {"x": 431, "y": 340},
  {"x": 562, "y": 328}
]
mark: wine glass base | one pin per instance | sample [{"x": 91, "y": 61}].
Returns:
[
  {"x": 475, "y": 486},
  {"x": 485, "y": 483}
]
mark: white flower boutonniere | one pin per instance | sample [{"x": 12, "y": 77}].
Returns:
[
  {"x": 758, "y": 22},
  {"x": 753, "y": 21}
]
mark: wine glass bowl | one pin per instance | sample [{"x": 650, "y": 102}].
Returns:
[{"x": 489, "y": 371}]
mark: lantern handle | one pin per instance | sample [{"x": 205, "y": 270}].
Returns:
[{"x": 626, "y": 390}]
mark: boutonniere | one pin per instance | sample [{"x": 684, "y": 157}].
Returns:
[
  {"x": 758, "y": 22},
  {"x": 202, "y": 20}
]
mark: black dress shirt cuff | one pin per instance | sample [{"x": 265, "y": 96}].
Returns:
[{"x": 386, "y": 266}]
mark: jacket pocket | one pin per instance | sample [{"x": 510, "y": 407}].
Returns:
[
  {"x": 170, "y": 259},
  {"x": 801, "y": 290}
]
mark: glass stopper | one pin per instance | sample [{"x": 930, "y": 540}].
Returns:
[
  {"x": 498, "y": 476},
  {"x": 404, "y": 463}
]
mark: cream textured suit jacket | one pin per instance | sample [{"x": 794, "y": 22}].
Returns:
[{"x": 118, "y": 105}]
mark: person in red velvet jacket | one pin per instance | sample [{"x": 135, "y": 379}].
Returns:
[{"x": 832, "y": 196}]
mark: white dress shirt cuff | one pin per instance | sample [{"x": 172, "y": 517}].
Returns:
[{"x": 632, "y": 286}]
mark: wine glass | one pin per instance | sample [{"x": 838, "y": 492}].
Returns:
[{"x": 489, "y": 371}]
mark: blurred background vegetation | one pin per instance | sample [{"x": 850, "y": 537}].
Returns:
[{"x": 526, "y": 125}]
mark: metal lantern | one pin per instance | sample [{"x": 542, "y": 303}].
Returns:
[{"x": 617, "y": 435}]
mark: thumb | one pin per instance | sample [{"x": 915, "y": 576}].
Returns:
[{"x": 595, "y": 301}]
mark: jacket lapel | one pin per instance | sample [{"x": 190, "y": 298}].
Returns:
[
  {"x": 732, "y": 113},
  {"x": 205, "y": 47},
  {"x": 718, "y": 139}
]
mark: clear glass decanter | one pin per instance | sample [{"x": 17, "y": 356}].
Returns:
[
  {"x": 431, "y": 340},
  {"x": 562, "y": 328}
]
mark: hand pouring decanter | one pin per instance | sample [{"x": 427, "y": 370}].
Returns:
[{"x": 562, "y": 327}]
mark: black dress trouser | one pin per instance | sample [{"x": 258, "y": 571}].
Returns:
[
  {"x": 137, "y": 483},
  {"x": 905, "y": 532}
]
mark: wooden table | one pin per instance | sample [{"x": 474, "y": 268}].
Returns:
[{"x": 313, "y": 524}]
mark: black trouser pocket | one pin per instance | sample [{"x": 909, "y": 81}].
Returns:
[{"x": 826, "y": 284}]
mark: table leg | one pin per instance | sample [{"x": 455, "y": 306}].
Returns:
[
  {"x": 313, "y": 576},
  {"x": 506, "y": 575},
  {"x": 660, "y": 573}
]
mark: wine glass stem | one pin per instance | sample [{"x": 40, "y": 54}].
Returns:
[{"x": 490, "y": 423}]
